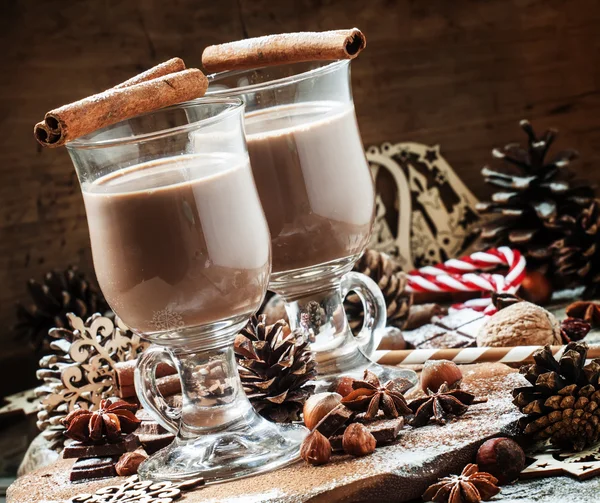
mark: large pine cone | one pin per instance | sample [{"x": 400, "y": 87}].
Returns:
[
  {"x": 563, "y": 404},
  {"x": 385, "y": 271},
  {"x": 59, "y": 294},
  {"x": 533, "y": 193},
  {"x": 274, "y": 365}
]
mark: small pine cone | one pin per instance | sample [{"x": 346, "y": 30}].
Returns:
[
  {"x": 382, "y": 269},
  {"x": 275, "y": 365}
]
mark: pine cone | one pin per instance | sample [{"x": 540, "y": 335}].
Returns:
[
  {"x": 577, "y": 254},
  {"x": 563, "y": 404},
  {"x": 274, "y": 365},
  {"x": 59, "y": 294},
  {"x": 382, "y": 269},
  {"x": 534, "y": 195}
]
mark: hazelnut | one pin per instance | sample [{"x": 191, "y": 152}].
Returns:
[
  {"x": 437, "y": 372},
  {"x": 318, "y": 406},
  {"x": 522, "y": 324},
  {"x": 536, "y": 288},
  {"x": 129, "y": 462},
  {"x": 358, "y": 441},
  {"x": 316, "y": 449},
  {"x": 344, "y": 385},
  {"x": 501, "y": 457}
]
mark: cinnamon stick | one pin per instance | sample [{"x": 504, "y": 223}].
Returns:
[
  {"x": 124, "y": 375},
  {"x": 173, "y": 65},
  {"x": 114, "y": 105},
  {"x": 167, "y": 386},
  {"x": 284, "y": 48}
]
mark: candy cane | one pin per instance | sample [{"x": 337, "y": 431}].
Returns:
[{"x": 468, "y": 274}]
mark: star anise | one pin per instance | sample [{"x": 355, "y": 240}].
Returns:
[
  {"x": 370, "y": 395},
  {"x": 471, "y": 486},
  {"x": 438, "y": 406},
  {"x": 588, "y": 311},
  {"x": 107, "y": 423}
]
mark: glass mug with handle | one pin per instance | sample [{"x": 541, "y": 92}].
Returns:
[
  {"x": 318, "y": 195},
  {"x": 170, "y": 198}
]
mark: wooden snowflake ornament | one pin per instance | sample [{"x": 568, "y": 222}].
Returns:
[
  {"x": 81, "y": 370},
  {"x": 135, "y": 491}
]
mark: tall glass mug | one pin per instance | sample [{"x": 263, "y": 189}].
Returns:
[
  {"x": 317, "y": 192},
  {"x": 181, "y": 250}
]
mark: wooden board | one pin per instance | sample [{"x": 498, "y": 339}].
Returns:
[{"x": 399, "y": 472}]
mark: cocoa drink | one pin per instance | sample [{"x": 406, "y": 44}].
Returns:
[
  {"x": 313, "y": 181},
  {"x": 179, "y": 242}
]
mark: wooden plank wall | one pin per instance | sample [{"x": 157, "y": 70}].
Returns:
[{"x": 459, "y": 73}]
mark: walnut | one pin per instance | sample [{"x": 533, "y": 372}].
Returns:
[{"x": 522, "y": 324}]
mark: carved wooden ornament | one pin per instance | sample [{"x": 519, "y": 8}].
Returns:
[
  {"x": 581, "y": 465},
  {"x": 135, "y": 491},
  {"x": 81, "y": 370},
  {"x": 424, "y": 213}
]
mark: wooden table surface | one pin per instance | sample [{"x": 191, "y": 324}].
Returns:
[{"x": 456, "y": 73}]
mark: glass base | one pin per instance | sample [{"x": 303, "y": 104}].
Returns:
[
  {"x": 314, "y": 302},
  {"x": 252, "y": 446}
]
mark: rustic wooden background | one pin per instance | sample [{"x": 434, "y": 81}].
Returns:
[{"x": 459, "y": 73}]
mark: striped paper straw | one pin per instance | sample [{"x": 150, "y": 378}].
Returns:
[{"x": 518, "y": 354}]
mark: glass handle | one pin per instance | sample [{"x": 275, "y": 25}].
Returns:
[
  {"x": 374, "y": 308},
  {"x": 147, "y": 390}
]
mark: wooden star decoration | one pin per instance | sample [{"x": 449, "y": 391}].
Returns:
[
  {"x": 23, "y": 403},
  {"x": 431, "y": 155},
  {"x": 580, "y": 465},
  {"x": 134, "y": 490}
]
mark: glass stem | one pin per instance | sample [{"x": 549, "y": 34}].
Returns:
[
  {"x": 212, "y": 394},
  {"x": 321, "y": 314}
]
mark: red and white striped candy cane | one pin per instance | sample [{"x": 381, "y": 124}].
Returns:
[{"x": 468, "y": 274}]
